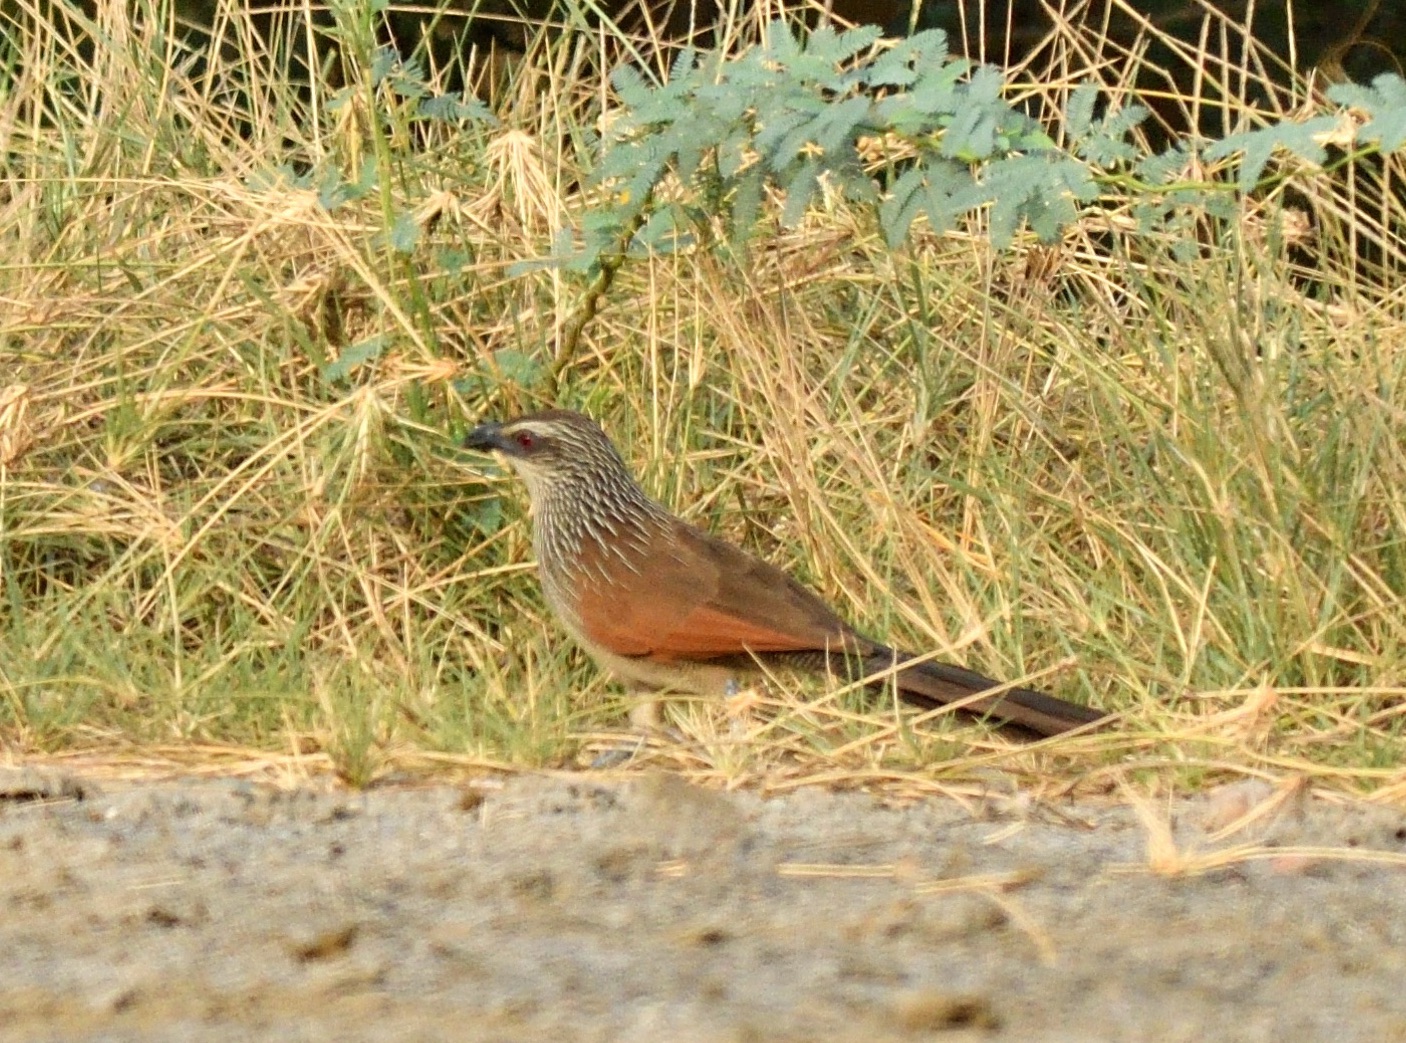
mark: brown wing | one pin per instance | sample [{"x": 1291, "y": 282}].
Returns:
[{"x": 686, "y": 596}]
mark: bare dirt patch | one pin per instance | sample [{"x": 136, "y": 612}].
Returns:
[{"x": 540, "y": 908}]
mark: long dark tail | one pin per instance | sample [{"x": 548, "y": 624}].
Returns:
[
  {"x": 932, "y": 684},
  {"x": 935, "y": 684}
]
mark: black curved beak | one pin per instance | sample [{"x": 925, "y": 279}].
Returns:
[{"x": 486, "y": 438}]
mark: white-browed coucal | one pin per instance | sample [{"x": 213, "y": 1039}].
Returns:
[{"x": 669, "y": 608}]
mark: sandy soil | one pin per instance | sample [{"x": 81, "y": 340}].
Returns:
[{"x": 576, "y": 909}]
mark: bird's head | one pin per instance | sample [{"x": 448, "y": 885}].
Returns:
[{"x": 554, "y": 450}]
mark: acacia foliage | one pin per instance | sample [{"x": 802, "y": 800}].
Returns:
[{"x": 805, "y": 110}]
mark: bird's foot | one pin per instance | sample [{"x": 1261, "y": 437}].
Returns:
[
  {"x": 647, "y": 721},
  {"x": 619, "y": 755},
  {"x": 741, "y": 702},
  {"x": 740, "y": 707}
]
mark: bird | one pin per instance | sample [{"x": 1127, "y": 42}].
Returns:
[{"x": 671, "y": 609}]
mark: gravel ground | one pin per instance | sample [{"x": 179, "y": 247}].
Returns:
[{"x": 549, "y": 908}]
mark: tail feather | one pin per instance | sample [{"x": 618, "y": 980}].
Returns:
[{"x": 932, "y": 684}]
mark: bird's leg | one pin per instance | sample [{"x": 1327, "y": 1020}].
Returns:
[
  {"x": 741, "y": 700},
  {"x": 646, "y": 710},
  {"x": 646, "y": 719},
  {"x": 739, "y": 704}
]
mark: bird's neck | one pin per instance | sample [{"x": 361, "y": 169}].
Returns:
[{"x": 579, "y": 522}]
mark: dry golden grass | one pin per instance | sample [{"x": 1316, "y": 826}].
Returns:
[{"x": 1161, "y": 480}]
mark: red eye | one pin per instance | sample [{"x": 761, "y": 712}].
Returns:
[{"x": 525, "y": 440}]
